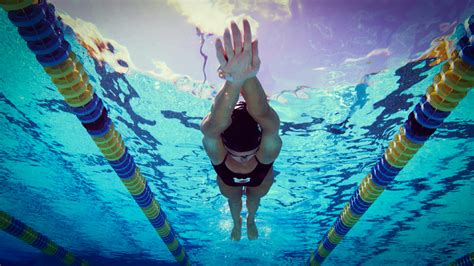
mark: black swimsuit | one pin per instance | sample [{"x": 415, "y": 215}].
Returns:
[{"x": 252, "y": 179}]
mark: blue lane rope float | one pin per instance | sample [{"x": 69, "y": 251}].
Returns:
[
  {"x": 450, "y": 86},
  {"x": 38, "y": 26},
  {"x": 467, "y": 260},
  {"x": 25, "y": 233}
]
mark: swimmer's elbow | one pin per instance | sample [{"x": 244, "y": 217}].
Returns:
[{"x": 212, "y": 129}]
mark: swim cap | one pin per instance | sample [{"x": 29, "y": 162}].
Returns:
[{"x": 244, "y": 133}]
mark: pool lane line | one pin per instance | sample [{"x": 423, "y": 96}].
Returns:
[
  {"x": 466, "y": 260},
  {"x": 449, "y": 87},
  {"x": 38, "y": 26},
  {"x": 30, "y": 236}
]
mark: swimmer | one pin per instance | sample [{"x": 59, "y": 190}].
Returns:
[{"x": 241, "y": 137}]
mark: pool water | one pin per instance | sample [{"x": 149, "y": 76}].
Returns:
[{"x": 53, "y": 177}]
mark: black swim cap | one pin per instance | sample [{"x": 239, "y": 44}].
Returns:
[{"x": 244, "y": 133}]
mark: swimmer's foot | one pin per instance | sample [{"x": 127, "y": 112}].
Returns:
[
  {"x": 252, "y": 232},
  {"x": 236, "y": 233}
]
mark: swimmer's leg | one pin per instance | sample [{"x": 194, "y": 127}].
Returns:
[
  {"x": 234, "y": 196},
  {"x": 254, "y": 194}
]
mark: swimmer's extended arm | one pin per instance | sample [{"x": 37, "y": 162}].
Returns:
[
  {"x": 235, "y": 59},
  {"x": 266, "y": 117},
  {"x": 218, "y": 120},
  {"x": 257, "y": 104}
]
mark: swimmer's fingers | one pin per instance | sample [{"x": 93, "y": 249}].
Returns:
[
  {"x": 247, "y": 36},
  {"x": 255, "y": 58},
  {"x": 237, "y": 36},
  {"x": 220, "y": 53},
  {"x": 228, "y": 45}
]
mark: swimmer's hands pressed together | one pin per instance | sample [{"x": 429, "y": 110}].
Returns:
[{"x": 238, "y": 60}]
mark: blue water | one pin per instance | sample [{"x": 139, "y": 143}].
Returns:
[{"x": 53, "y": 177}]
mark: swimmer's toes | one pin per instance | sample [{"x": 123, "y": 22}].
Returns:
[
  {"x": 252, "y": 231},
  {"x": 236, "y": 233}
]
